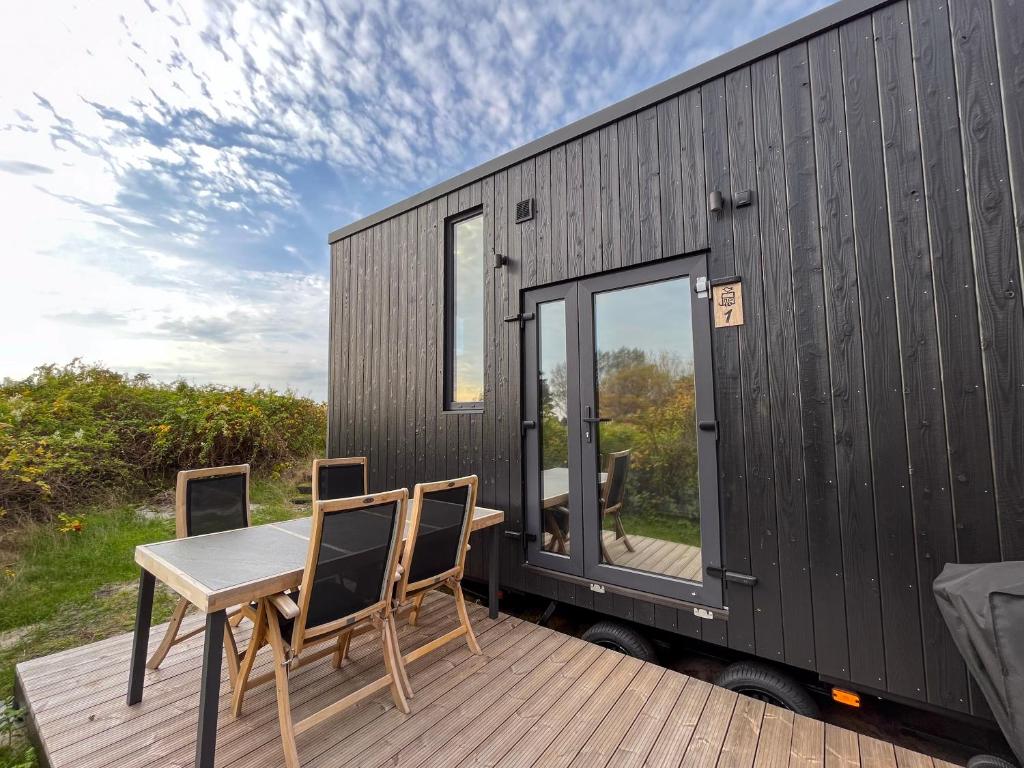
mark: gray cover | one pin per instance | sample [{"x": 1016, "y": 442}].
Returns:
[{"x": 983, "y": 606}]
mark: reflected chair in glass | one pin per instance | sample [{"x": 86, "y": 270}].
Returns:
[
  {"x": 613, "y": 493},
  {"x": 339, "y": 478},
  {"x": 351, "y": 569},
  {"x": 435, "y": 556},
  {"x": 209, "y": 500}
]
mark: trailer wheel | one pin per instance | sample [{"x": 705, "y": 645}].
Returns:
[
  {"x": 989, "y": 761},
  {"x": 768, "y": 684},
  {"x": 621, "y": 638}
]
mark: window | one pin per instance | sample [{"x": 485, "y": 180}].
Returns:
[{"x": 464, "y": 374}]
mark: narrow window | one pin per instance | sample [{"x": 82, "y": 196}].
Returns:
[{"x": 464, "y": 372}]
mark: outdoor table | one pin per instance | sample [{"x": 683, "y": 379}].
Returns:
[
  {"x": 556, "y": 486},
  {"x": 217, "y": 571}
]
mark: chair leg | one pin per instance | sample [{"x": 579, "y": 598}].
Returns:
[
  {"x": 169, "y": 637},
  {"x": 460, "y": 604},
  {"x": 403, "y": 673},
  {"x": 255, "y": 643},
  {"x": 342, "y": 650},
  {"x": 620, "y": 532},
  {"x": 605, "y": 553},
  {"x": 417, "y": 603},
  {"x": 390, "y": 663},
  {"x": 284, "y": 707}
]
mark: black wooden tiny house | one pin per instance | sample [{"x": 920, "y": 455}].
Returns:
[{"x": 861, "y": 428}]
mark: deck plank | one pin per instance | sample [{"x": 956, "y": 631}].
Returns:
[{"x": 534, "y": 697}]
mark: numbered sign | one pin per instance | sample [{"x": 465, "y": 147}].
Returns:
[{"x": 727, "y": 299}]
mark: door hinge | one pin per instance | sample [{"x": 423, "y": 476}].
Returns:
[
  {"x": 700, "y": 285},
  {"x": 599, "y": 588},
  {"x": 703, "y": 613},
  {"x": 522, "y": 319},
  {"x": 745, "y": 579}
]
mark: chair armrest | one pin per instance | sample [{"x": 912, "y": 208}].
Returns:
[{"x": 284, "y": 605}]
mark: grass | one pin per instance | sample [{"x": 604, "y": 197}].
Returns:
[
  {"x": 65, "y": 589},
  {"x": 658, "y": 526}
]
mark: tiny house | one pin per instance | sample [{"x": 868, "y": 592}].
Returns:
[{"x": 741, "y": 357}]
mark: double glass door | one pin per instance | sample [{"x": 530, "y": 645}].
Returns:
[{"x": 620, "y": 458}]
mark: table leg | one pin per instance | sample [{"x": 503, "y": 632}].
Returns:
[
  {"x": 209, "y": 689},
  {"x": 493, "y": 569},
  {"x": 140, "y": 645}
]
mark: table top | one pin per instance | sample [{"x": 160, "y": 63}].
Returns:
[
  {"x": 219, "y": 570},
  {"x": 555, "y": 485}
]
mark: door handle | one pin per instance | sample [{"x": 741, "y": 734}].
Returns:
[{"x": 588, "y": 419}]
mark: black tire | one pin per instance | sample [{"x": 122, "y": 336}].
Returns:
[
  {"x": 621, "y": 638},
  {"x": 989, "y": 761},
  {"x": 768, "y": 684}
]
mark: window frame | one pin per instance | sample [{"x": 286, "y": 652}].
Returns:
[{"x": 450, "y": 403}]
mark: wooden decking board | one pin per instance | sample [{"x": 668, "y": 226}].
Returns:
[
  {"x": 533, "y": 698},
  {"x": 807, "y": 749},
  {"x": 599, "y": 750},
  {"x": 841, "y": 748},
  {"x": 390, "y": 732},
  {"x": 547, "y": 728},
  {"x": 567, "y": 744},
  {"x": 500, "y": 741},
  {"x": 639, "y": 740},
  {"x": 177, "y": 692},
  {"x": 773, "y": 747},
  {"x": 706, "y": 742},
  {"x": 675, "y": 735},
  {"x": 744, "y": 732},
  {"x": 166, "y": 736},
  {"x": 463, "y": 717}
]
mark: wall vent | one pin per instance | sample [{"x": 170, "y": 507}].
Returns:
[{"x": 524, "y": 210}]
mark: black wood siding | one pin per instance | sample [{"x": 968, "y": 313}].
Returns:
[{"x": 872, "y": 406}]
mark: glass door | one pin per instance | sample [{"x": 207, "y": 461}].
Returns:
[
  {"x": 649, "y": 471},
  {"x": 621, "y": 367},
  {"x": 552, "y": 434}
]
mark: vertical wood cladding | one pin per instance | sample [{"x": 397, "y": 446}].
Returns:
[{"x": 871, "y": 407}]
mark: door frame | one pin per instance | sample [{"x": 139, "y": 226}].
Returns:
[
  {"x": 709, "y": 590},
  {"x": 579, "y": 330}
]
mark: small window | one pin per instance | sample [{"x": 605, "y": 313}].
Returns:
[{"x": 464, "y": 372}]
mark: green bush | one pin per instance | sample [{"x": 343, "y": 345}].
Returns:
[{"x": 71, "y": 434}]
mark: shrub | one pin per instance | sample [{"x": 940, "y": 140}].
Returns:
[{"x": 74, "y": 433}]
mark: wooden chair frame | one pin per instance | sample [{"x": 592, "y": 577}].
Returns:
[
  {"x": 340, "y": 462},
  {"x": 620, "y": 532},
  {"x": 288, "y": 656},
  {"x": 171, "y": 636},
  {"x": 452, "y": 578}
]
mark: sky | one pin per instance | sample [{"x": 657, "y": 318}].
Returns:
[{"x": 169, "y": 171}]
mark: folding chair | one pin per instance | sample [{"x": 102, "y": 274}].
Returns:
[
  {"x": 207, "y": 500},
  {"x": 351, "y": 569},
  {"x": 435, "y": 556},
  {"x": 339, "y": 478},
  {"x": 612, "y": 496}
]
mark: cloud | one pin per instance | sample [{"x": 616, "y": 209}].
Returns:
[{"x": 160, "y": 149}]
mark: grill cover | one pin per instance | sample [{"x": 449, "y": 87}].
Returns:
[{"x": 983, "y": 606}]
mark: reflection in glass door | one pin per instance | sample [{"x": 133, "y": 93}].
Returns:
[{"x": 621, "y": 463}]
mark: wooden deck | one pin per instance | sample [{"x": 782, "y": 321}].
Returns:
[
  {"x": 534, "y": 698},
  {"x": 669, "y": 558}
]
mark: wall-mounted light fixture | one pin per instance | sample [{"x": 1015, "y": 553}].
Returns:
[{"x": 716, "y": 203}]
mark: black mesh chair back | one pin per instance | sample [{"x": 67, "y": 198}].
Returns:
[
  {"x": 212, "y": 500},
  {"x": 618, "y": 468},
  {"x": 339, "y": 478},
  {"x": 439, "y": 528},
  {"x": 351, "y": 563}
]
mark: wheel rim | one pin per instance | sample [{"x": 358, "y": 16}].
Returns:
[{"x": 762, "y": 695}]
